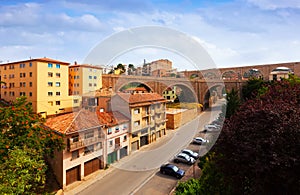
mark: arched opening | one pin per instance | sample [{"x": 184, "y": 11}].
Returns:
[
  {"x": 229, "y": 75},
  {"x": 210, "y": 75},
  {"x": 194, "y": 76},
  {"x": 179, "y": 93},
  {"x": 280, "y": 73},
  {"x": 136, "y": 87},
  {"x": 213, "y": 94},
  {"x": 253, "y": 73}
]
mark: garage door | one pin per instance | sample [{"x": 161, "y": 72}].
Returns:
[
  {"x": 91, "y": 166},
  {"x": 134, "y": 146},
  {"x": 144, "y": 140},
  {"x": 112, "y": 157},
  {"x": 73, "y": 175},
  {"x": 123, "y": 152}
]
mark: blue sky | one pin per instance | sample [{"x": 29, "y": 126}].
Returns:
[{"x": 234, "y": 32}]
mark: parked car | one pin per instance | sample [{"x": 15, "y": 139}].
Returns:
[
  {"x": 210, "y": 128},
  {"x": 200, "y": 140},
  {"x": 184, "y": 158},
  {"x": 172, "y": 170},
  {"x": 195, "y": 155}
]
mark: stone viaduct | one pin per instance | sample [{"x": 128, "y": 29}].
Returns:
[
  {"x": 197, "y": 90},
  {"x": 199, "y": 85}
]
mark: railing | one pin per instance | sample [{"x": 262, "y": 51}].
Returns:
[{"x": 83, "y": 143}]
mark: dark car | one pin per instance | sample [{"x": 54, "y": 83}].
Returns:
[
  {"x": 172, "y": 170},
  {"x": 195, "y": 155}
]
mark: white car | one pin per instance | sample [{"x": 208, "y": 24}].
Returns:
[
  {"x": 200, "y": 140},
  {"x": 184, "y": 158},
  {"x": 210, "y": 128}
]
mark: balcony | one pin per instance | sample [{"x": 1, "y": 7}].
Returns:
[
  {"x": 117, "y": 146},
  {"x": 81, "y": 143}
]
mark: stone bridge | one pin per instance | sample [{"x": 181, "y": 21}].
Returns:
[{"x": 197, "y": 90}]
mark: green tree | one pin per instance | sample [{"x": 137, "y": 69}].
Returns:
[
  {"x": 252, "y": 88},
  {"x": 233, "y": 102},
  {"x": 23, "y": 172},
  {"x": 20, "y": 126}
]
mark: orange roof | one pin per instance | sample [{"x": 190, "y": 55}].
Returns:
[
  {"x": 40, "y": 60},
  {"x": 136, "y": 89},
  {"x": 137, "y": 98},
  {"x": 84, "y": 119},
  {"x": 73, "y": 122},
  {"x": 111, "y": 118}
]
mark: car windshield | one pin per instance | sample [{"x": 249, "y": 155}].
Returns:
[
  {"x": 175, "y": 168},
  {"x": 188, "y": 151}
]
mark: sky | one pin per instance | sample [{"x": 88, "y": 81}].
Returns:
[{"x": 233, "y": 32}]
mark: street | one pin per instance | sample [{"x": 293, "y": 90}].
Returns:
[{"x": 139, "y": 172}]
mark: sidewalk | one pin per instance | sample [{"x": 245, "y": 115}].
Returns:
[{"x": 78, "y": 186}]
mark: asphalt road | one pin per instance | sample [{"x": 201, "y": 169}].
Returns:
[{"x": 139, "y": 172}]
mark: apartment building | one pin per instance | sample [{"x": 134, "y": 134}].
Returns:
[
  {"x": 84, "y": 78},
  {"x": 147, "y": 116},
  {"x": 117, "y": 127},
  {"x": 85, "y": 153},
  {"x": 157, "y": 68},
  {"x": 43, "y": 80}
]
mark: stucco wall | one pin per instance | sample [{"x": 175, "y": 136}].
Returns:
[{"x": 178, "y": 117}]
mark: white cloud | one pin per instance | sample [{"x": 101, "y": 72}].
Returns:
[{"x": 275, "y": 4}]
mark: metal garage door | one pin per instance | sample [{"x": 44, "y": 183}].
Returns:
[
  {"x": 134, "y": 146},
  {"x": 73, "y": 175},
  {"x": 123, "y": 152},
  {"x": 144, "y": 140},
  {"x": 112, "y": 157},
  {"x": 91, "y": 166}
]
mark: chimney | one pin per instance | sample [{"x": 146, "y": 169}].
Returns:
[{"x": 75, "y": 63}]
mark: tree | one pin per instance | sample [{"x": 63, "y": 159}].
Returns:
[
  {"x": 260, "y": 143},
  {"x": 23, "y": 172},
  {"x": 233, "y": 103},
  {"x": 131, "y": 69},
  {"x": 20, "y": 126},
  {"x": 252, "y": 88}
]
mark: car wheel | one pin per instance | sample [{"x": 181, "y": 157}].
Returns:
[
  {"x": 178, "y": 176},
  {"x": 176, "y": 161}
]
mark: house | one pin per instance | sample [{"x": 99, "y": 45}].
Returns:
[{"x": 147, "y": 116}]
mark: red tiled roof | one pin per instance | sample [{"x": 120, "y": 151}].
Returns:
[
  {"x": 141, "y": 97},
  {"x": 84, "y": 119},
  {"x": 136, "y": 89},
  {"x": 73, "y": 122},
  {"x": 111, "y": 118}
]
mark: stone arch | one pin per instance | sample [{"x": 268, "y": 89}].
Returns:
[
  {"x": 253, "y": 73},
  {"x": 185, "y": 93},
  {"x": 212, "y": 94},
  {"x": 135, "y": 85},
  {"x": 229, "y": 75},
  {"x": 210, "y": 75}
]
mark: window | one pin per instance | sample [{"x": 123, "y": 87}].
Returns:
[
  {"x": 30, "y": 64},
  {"x": 99, "y": 133},
  {"x": 89, "y": 149},
  {"x": 50, "y": 84},
  {"x": 125, "y": 127},
  {"x": 125, "y": 138},
  {"x": 58, "y": 93},
  {"x": 30, "y": 94},
  {"x": 50, "y": 103},
  {"x": 75, "y": 154},
  {"x": 22, "y": 94},
  {"x": 50, "y": 93},
  {"x": 90, "y": 85},
  {"x": 22, "y": 65},
  {"x": 50, "y": 74},
  {"x": 98, "y": 146},
  {"x": 21, "y": 84},
  {"x": 57, "y": 66},
  {"x": 22, "y": 75},
  {"x": 90, "y": 77},
  {"x": 11, "y": 67},
  {"x": 4, "y": 76},
  {"x": 136, "y": 123},
  {"x": 57, "y": 75},
  {"x": 5, "y": 93},
  {"x": 57, "y": 84},
  {"x": 57, "y": 103},
  {"x": 50, "y": 65},
  {"x": 136, "y": 111},
  {"x": 4, "y": 67},
  {"x": 110, "y": 143},
  {"x": 75, "y": 101},
  {"x": 89, "y": 134},
  {"x": 109, "y": 131},
  {"x": 30, "y": 74},
  {"x": 30, "y": 84},
  {"x": 95, "y": 77}
]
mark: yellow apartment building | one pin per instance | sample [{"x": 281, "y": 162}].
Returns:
[
  {"x": 147, "y": 113},
  {"x": 43, "y": 81},
  {"x": 83, "y": 79}
]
